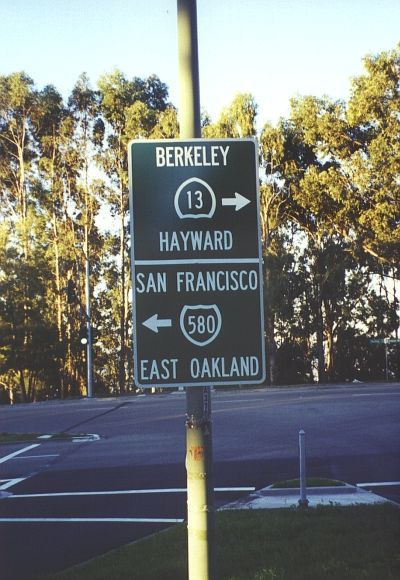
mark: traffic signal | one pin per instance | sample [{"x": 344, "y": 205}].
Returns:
[
  {"x": 83, "y": 334},
  {"x": 95, "y": 335}
]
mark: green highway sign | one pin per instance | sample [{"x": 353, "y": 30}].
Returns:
[{"x": 196, "y": 262}]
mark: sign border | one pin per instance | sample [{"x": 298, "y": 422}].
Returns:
[{"x": 133, "y": 268}]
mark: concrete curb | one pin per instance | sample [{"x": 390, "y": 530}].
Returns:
[
  {"x": 329, "y": 490},
  {"x": 272, "y": 498}
]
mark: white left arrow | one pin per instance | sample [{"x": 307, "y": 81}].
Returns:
[
  {"x": 154, "y": 323},
  {"x": 238, "y": 201}
]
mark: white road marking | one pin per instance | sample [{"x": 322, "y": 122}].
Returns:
[
  {"x": 11, "y": 455},
  {"x": 94, "y": 409},
  {"x": 87, "y": 437},
  {"x": 36, "y": 456},
  {"x": 234, "y": 489},
  {"x": 391, "y": 394},
  {"x": 379, "y": 484},
  {"x": 45, "y": 436},
  {"x": 92, "y": 520},
  {"x": 223, "y": 401},
  {"x": 123, "y": 492},
  {"x": 6, "y": 483}
]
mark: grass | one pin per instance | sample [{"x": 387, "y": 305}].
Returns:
[
  {"x": 330, "y": 543},
  {"x": 311, "y": 482},
  {"x": 17, "y": 437}
]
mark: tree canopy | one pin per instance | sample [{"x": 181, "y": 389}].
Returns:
[{"x": 330, "y": 216}]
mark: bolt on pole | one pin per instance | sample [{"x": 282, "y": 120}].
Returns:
[{"x": 200, "y": 489}]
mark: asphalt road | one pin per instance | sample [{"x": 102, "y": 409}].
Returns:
[{"x": 73, "y": 499}]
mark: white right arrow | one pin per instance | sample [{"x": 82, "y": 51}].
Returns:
[
  {"x": 239, "y": 201},
  {"x": 154, "y": 323}
]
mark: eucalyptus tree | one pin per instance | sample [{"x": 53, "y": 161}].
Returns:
[
  {"x": 54, "y": 130},
  {"x": 357, "y": 145},
  {"x": 84, "y": 202},
  {"x": 29, "y": 351},
  {"x": 25, "y": 242},
  {"x": 336, "y": 167},
  {"x": 167, "y": 126},
  {"x": 235, "y": 121},
  {"x": 131, "y": 109},
  {"x": 274, "y": 233},
  {"x": 373, "y": 114},
  {"x": 18, "y": 102},
  {"x": 374, "y": 168},
  {"x": 285, "y": 158}
]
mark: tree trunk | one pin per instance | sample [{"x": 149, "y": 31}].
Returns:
[
  {"x": 271, "y": 348},
  {"x": 121, "y": 363},
  {"x": 269, "y": 331},
  {"x": 22, "y": 386},
  {"x": 319, "y": 325},
  {"x": 329, "y": 339},
  {"x": 395, "y": 303}
]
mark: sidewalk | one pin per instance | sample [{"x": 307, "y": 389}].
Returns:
[{"x": 270, "y": 498}]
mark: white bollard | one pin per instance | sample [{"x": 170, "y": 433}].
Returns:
[{"x": 303, "y": 501}]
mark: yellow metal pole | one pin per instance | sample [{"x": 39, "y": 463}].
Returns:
[
  {"x": 189, "y": 109},
  {"x": 200, "y": 492},
  {"x": 200, "y": 489}
]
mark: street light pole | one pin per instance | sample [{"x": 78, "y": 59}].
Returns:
[{"x": 89, "y": 349}]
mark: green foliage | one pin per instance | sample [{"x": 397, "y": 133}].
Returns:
[
  {"x": 28, "y": 346},
  {"x": 236, "y": 121},
  {"x": 332, "y": 173}
]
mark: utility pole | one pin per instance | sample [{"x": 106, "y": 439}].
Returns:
[
  {"x": 200, "y": 489},
  {"x": 89, "y": 349}
]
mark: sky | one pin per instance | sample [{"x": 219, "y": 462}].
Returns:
[{"x": 273, "y": 49}]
